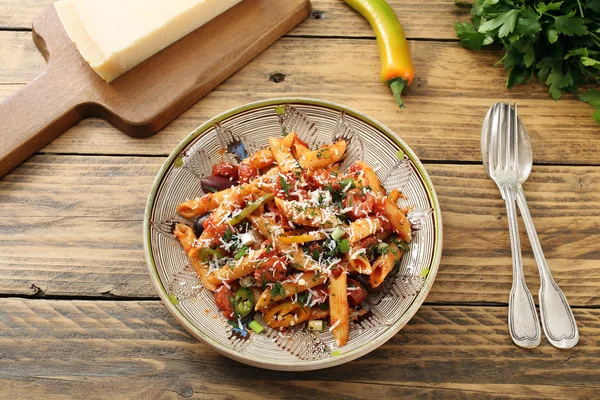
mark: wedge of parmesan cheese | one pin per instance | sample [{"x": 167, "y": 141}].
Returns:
[{"x": 114, "y": 36}]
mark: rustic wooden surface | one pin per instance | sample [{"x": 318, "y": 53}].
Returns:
[{"x": 79, "y": 316}]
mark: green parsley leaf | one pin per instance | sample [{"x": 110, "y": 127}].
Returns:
[
  {"x": 552, "y": 35},
  {"x": 469, "y": 37},
  {"x": 277, "y": 290},
  {"x": 529, "y": 23},
  {"x": 529, "y": 57},
  {"x": 228, "y": 235},
  {"x": 592, "y": 97},
  {"x": 506, "y": 21},
  {"x": 557, "y": 40},
  {"x": 570, "y": 25},
  {"x": 590, "y": 62},
  {"x": 543, "y": 8},
  {"x": 285, "y": 186}
]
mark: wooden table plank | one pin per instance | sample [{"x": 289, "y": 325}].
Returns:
[
  {"x": 329, "y": 18},
  {"x": 58, "y": 349},
  {"x": 72, "y": 225},
  {"x": 442, "y": 120}
]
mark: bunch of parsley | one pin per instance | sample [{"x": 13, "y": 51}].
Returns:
[{"x": 558, "y": 41}]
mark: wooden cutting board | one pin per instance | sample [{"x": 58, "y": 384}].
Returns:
[{"x": 146, "y": 98}]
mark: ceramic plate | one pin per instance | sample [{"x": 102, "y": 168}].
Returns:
[{"x": 231, "y": 137}]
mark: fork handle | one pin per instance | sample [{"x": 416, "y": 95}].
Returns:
[
  {"x": 557, "y": 318},
  {"x": 523, "y": 321}
]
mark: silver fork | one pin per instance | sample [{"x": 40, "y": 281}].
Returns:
[{"x": 500, "y": 153}]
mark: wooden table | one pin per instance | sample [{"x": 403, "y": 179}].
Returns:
[{"x": 80, "y": 317}]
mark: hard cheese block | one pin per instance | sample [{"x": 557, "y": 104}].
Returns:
[{"x": 114, "y": 36}]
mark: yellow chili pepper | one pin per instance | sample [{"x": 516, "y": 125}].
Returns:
[{"x": 397, "y": 70}]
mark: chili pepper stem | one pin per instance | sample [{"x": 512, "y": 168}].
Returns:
[{"x": 398, "y": 85}]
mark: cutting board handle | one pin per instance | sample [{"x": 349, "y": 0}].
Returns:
[{"x": 35, "y": 115}]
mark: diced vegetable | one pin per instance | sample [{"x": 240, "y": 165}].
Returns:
[
  {"x": 247, "y": 281},
  {"x": 256, "y": 326},
  {"x": 243, "y": 302},
  {"x": 250, "y": 208},
  {"x": 337, "y": 233},
  {"x": 315, "y": 325},
  {"x": 212, "y": 184},
  {"x": 382, "y": 248},
  {"x": 348, "y": 184},
  {"x": 242, "y": 251},
  {"x": 199, "y": 226},
  {"x": 344, "y": 246},
  {"x": 206, "y": 254}
]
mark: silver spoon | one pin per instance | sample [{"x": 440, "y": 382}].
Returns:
[{"x": 557, "y": 318}]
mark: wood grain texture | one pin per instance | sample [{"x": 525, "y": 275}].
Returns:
[
  {"x": 83, "y": 218},
  {"x": 58, "y": 349},
  {"x": 442, "y": 120},
  {"x": 146, "y": 98},
  {"x": 329, "y": 18}
]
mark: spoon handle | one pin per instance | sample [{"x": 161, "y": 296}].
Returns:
[
  {"x": 557, "y": 318},
  {"x": 523, "y": 321}
]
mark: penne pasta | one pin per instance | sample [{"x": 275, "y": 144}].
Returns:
[
  {"x": 358, "y": 263},
  {"x": 361, "y": 228},
  {"x": 369, "y": 178},
  {"x": 284, "y": 238},
  {"x": 324, "y": 156},
  {"x": 243, "y": 267},
  {"x": 187, "y": 238},
  {"x": 398, "y": 220},
  {"x": 261, "y": 159},
  {"x": 304, "y": 238},
  {"x": 384, "y": 264},
  {"x": 394, "y": 196},
  {"x": 269, "y": 229},
  {"x": 307, "y": 215},
  {"x": 300, "y": 282},
  {"x": 285, "y": 315},
  {"x": 338, "y": 307},
  {"x": 282, "y": 153}
]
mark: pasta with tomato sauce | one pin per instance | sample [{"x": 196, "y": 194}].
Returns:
[{"x": 295, "y": 239}]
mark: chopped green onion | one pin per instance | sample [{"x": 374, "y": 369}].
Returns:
[
  {"x": 403, "y": 245},
  {"x": 241, "y": 252},
  {"x": 250, "y": 208},
  {"x": 256, "y": 326},
  {"x": 344, "y": 246},
  {"x": 337, "y": 233},
  {"x": 346, "y": 182},
  {"x": 382, "y": 248},
  {"x": 315, "y": 325},
  {"x": 205, "y": 254}
]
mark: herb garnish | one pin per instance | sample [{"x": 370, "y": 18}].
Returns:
[
  {"x": 558, "y": 41},
  {"x": 277, "y": 290},
  {"x": 285, "y": 186}
]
